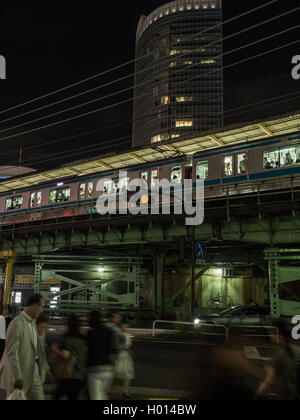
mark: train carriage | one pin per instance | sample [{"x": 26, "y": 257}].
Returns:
[{"x": 270, "y": 164}]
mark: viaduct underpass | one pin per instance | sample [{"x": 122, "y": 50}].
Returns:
[{"x": 146, "y": 264}]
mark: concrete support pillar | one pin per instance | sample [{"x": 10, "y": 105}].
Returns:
[{"x": 10, "y": 257}]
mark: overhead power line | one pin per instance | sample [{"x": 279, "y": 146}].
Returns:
[
  {"x": 142, "y": 71},
  {"x": 131, "y": 99}
]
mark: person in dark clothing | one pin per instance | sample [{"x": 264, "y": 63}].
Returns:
[
  {"x": 101, "y": 351},
  {"x": 281, "y": 377},
  {"x": 72, "y": 346}
]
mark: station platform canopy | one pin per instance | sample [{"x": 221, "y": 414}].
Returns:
[
  {"x": 14, "y": 171},
  {"x": 220, "y": 137}
]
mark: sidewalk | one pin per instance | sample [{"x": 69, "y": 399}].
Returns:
[{"x": 137, "y": 393}]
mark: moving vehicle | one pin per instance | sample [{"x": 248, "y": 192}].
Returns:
[{"x": 239, "y": 315}]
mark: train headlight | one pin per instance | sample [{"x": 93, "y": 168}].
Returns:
[{"x": 197, "y": 321}]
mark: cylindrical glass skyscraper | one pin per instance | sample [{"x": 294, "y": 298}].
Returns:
[{"x": 178, "y": 75}]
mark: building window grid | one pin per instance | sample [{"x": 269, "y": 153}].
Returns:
[{"x": 206, "y": 115}]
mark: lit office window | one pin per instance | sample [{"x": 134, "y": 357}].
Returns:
[
  {"x": 165, "y": 100},
  {"x": 184, "y": 123}
]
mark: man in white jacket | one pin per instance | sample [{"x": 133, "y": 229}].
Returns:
[{"x": 24, "y": 362}]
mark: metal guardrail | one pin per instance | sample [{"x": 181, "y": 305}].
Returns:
[
  {"x": 227, "y": 329},
  {"x": 191, "y": 323},
  {"x": 269, "y": 328}
]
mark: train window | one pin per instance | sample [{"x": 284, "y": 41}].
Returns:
[
  {"x": 290, "y": 155},
  {"x": 145, "y": 177},
  {"x": 228, "y": 166},
  {"x": 107, "y": 186},
  {"x": 241, "y": 163},
  {"x": 35, "y": 199},
  {"x": 60, "y": 195},
  {"x": 39, "y": 199},
  {"x": 271, "y": 159},
  {"x": 115, "y": 186},
  {"x": 81, "y": 191},
  {"x": 176, "y": 174},
  {"x": 154, "y": 178},
  {"x": 32, "y": 200},
  {"x": 13, "y": 203},
  {"x": 90, "y": 187},
  {"x": 202, "y": 170}
]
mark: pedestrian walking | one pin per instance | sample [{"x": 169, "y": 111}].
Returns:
[
  {"x": 281, "y": 372},
  {"x": 70, "y": 364},
  {"x": 101, "y": 351},
  {"x": 42, "y": 325},
  {"x": 2, "y": 335},
  {"x": 114, "y": 321},
  {"x": 4, "y": 323},
  {"x": 23, "y": 363},
  {"x": 124, "y": 366}
]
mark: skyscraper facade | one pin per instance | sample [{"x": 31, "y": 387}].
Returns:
[{"x": 178, "y": 75}]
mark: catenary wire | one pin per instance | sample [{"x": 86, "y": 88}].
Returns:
[
  {"x": 131, "y": 61},
  {"x": 142, "y": 96},
  {"x": 147, "y": 68}
]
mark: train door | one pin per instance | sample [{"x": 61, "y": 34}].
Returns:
[
  {"x": 202, "y": 170},
  {"x": 228, "y": 167},
  {"x": 86, "y": 190},
  {"x": 242, "y": 163}
]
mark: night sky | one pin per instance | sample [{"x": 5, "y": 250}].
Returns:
[{"x": 48, "y": 46}]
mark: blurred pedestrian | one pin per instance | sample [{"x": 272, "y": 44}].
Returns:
[
  {"x": 2, "y": 335},
  {"x": 42, "y": 325},
  {"x": 70, "y": 365},
  {"x": 281, "y": 372},
  {"x": 114, "y": 321},
  {"x": 124, "y": 367},
  {"x": 23, "y": 364},
  {"x": 101, "y": 351}
]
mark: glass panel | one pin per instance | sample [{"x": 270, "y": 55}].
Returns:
[
  {"x": 82, "y": 192},
  {"x": 202, "y": 170},
  {"x": 115, "y": 186},
  {"x": 176, "y": 174},
  {"x": 107, "y": 187},
  {"x": 59, "y": 196},
  {"x": 271, "y": 159},
  {"x": 14, "y": 203},
  {"x": 241, "y": 160},
  {"x": 18, "y": 297},
  {"x": 8, "y": 204},
  {"x": 32, "y": 200},
  {"x": 90, "y": 190},
  {"x": 123, "y": 184},
  {"x": 290, "y": 155},
  {"x": 52, "y": 196},
  {"x": 228, "y": 166},
  {"x": 39, "y": 199},
  {"x": 145, "y": 178},
  {"x": 154, "y": 177}
]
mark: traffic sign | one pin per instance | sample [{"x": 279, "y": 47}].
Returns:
[{"x": 200, "y": 250}]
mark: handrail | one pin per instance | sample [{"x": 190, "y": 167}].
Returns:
[
  {"x": 190, "y": 323},
  {"x": 268, "y": 327},
  {"x": 226, "y": 328}
]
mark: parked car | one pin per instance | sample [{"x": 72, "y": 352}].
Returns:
[{"x": 239, "y": 315}]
